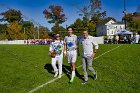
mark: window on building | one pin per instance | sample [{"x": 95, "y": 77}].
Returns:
[{"x": 102, "y": 28}]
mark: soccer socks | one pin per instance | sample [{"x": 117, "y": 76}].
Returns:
[{"x": 73, "y": 75}]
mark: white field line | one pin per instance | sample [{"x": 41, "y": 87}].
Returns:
[{"x": 51, "y": 81}]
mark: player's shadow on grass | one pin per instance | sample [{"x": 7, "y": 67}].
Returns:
[
  {"x": 78, "y": 75},
  {"x": 67, "y": 71},
  {"x": 49, "y": 68},
  {"x": 91, "y": 77}
]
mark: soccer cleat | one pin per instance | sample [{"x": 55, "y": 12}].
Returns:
[
  {"x": 84, "y": 82},
  {"x": 72, "y": 79},
  {"x": 56, "y": 73},
  {"x": 95, "y": 76},
  {"x": 59, "y": 76}
]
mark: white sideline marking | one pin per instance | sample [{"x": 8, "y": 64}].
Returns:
[{"x": 51, "y": 81}]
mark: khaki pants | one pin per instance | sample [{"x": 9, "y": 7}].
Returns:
[{"x": 87, "y": 63}]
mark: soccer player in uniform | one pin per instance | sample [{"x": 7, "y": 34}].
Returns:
[
  {"x": 57, "y": 46},
  {"x": 88, "y": 55},
  {"x": 70, "y": 49}
]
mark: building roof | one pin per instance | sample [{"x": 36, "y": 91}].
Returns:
[
  {"x": 105, "y": 22},
  {"x": 118, "y": 23}
]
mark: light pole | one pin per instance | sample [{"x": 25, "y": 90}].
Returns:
[
  {"x": 24, "y": 33},
  {"x": 38, "y": 32},
  {"x": 125, "y": 13}
]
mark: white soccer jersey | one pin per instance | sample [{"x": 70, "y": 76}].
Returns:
[
  {"x": 71, "y": 42},
  {"x": 88, "y": 46},
  {"x": 57, "y": 46}
]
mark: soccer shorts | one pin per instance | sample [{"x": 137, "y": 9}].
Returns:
[{"x": 72, "y": 56}]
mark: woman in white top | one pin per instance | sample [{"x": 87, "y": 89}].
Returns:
[{"x": 57, "y": 46}]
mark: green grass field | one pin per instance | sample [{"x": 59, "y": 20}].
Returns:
[{"x": 25, "y": 67}]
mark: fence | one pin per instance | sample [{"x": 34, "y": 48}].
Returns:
[
  {"x": 99, "y": 40},
  {"x": 12, "y": 42}
]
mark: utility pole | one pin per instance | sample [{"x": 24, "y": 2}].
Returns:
[
  {"x": 24, "y": 30},
  {"x": 125, "y": 13},
  {"x": 38, "y": 32},
  {"x": 24, "y": 33}
]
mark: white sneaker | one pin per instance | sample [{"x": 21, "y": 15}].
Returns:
[
  {"x": 95, "y": 76},
  {"x": 59, "y": 76},
  {"x": 56, "y": 73},
  {"x": 72, "y": 79}
]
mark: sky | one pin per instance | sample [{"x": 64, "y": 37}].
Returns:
[{"x": 33, "y": 9}]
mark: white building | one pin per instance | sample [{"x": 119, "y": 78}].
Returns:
[{"x": 109, "y": 28}]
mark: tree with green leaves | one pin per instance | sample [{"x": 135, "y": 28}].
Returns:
[
  {"x": 43, "y": 32},
  {"x": 13, "y": 27},
  {"x": 11, "y": 15},
  {"x": 58, "y": 29},
  {"x": 27, "y": 28},
  {"x": 128, "y": 18},
  {"x": 133, "y": 23},
  {"x": 92, "y": 14},
  {"x": 3, "y": 31},
  {"x": 14, "y": 31},
  {"x": 91, "y": 26},
  {"x": 78, "y": 25}
]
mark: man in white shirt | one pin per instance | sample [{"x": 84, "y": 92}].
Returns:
[
  {"x": 88, "y": 55},
  {"x": 70, "y": 48}
]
